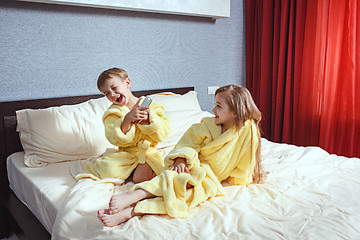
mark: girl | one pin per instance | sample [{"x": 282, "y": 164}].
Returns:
[{"x": 224, "y": 147}]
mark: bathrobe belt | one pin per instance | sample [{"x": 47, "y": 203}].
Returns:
[{"x": 142, "y": 147}]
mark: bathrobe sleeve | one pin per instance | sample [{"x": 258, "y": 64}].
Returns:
[
  {"x": 189, "y": 145},
  {"x": 159, "y": 128},
  {"x": 113, "y": 118}
]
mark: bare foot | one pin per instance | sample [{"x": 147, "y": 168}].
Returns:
[
  {"x": 111, "y": 220},
  {"x": 118, "y": 203},
  {"x": 102, "y": 212},
  {"x": 124, "y": 200}
]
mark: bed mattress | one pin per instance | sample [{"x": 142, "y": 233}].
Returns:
[
  {"x": 306, "y": 194},
  {"x": 41, "y": 189}
]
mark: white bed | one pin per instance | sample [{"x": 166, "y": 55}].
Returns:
[
  {"x": 306, "y": 194},
  {"x": 43, "y": 189}
]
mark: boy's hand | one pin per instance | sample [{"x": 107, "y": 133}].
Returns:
[
  {"x": 180, "y": 166},
  {"x": 137, "y": 115}
]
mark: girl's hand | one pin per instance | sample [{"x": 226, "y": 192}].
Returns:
[{"x": 180, "y": 166}]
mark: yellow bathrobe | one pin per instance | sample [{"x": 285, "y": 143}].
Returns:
[
  {"x": 211, "y": 158},
  {"x": 136, "y": 146}
]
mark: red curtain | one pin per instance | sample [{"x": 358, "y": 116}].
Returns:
[{"x": 302, "y": 62}]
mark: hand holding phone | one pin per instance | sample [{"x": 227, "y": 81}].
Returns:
[{"x": 147, "y": 101}]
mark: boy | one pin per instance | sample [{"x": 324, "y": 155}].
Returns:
[{"x": 134, "y": 129}]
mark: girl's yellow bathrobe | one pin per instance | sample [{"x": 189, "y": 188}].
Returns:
[
  {"x": 136, "y": 146},
  {"x": 211, "y": 158}
]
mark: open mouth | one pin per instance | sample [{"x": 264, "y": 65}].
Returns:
[{"x": 119, "y": 99}]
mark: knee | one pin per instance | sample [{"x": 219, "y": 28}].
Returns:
[
  {"x": 137, "y": 178},
  {"x": 142, "y": 173}
]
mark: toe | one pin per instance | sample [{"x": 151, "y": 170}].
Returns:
[{"x": 101, "y": 211}]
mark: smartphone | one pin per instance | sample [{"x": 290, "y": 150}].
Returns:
[{"x": 147, "y": 101}]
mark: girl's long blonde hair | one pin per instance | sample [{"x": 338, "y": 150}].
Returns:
[{"x": 242, "y": 104}]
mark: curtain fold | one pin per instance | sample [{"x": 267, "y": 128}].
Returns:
[
  {"x": 303, "y": 71},
  {"x": 274, "y": 45}
]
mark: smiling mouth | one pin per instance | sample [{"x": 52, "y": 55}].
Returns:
[{"x": 119, "y": 99}]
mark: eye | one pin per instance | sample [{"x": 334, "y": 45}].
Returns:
[{"x": 113, "y": 87}]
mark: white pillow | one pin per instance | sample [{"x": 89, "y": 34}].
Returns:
[
  {"x": 66, "y": 133},
  {"x": 178, "y": 102},
  {"x": 181, "y": 121},
  {"x": 76, "y": 132},
  {"x": 182, "y": 111}
]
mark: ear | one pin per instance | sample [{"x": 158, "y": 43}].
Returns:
[
  {"x": 234, "y": 114},
  {"x": 128, "y": 82}
]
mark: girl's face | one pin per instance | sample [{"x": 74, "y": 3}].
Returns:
[
  {"x": 223, "y": 114},
  {"x": 117, "y": 90}
]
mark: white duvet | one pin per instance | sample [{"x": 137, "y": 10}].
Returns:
[{"x": 307, "y": 194}]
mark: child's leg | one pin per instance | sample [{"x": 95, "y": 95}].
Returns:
[
  {"x": 124, "y": 200},
  {"x": 111, "y": 220},
  {"x": 142, "y": 173}
]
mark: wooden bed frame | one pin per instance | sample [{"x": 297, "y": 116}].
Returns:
[{"x": 15, "y": 217}]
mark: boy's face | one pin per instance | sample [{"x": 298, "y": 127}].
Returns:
[{"x": 117, "y": 90}]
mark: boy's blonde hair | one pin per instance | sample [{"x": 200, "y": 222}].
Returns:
[
  {"x": 242, "y": 104},
  {"x": 110, "y": 73}
]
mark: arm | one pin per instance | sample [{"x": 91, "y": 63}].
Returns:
[
  {"x": 158, "y": 127},
  {"x": 137, "y": 115},
  {"x": 113, "y": 122},
  {"x": 189, "y": 146},
  {"x": 126, "y": 125}
]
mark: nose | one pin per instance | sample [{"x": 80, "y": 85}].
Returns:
[
  {"x": 110, "y": 95},
  {"x": 213, "y": 110},
  {"x": 113, "y": 94}
]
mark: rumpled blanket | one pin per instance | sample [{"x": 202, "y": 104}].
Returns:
[
  {"x": 211, "y": 158},
  {"x": 137, "y": 146},
  {"x": 306, "y": 194}
]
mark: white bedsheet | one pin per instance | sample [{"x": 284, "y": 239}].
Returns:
[
  {"x": 41, "y": 189},
  {"x": 307, "y": 194}
]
